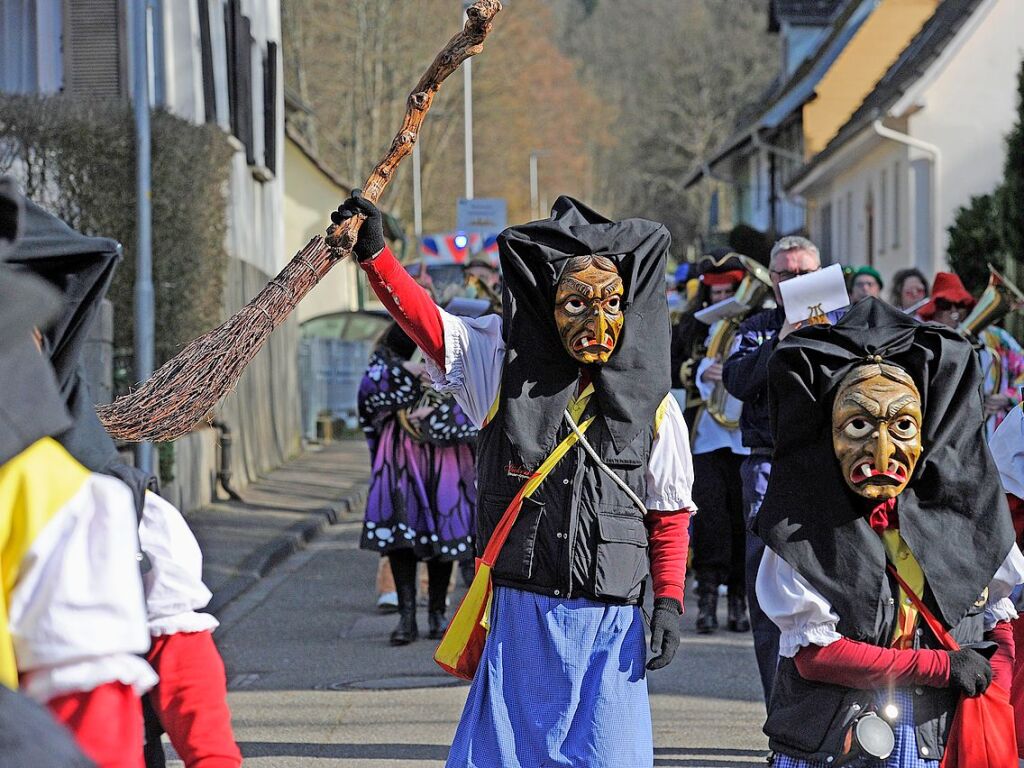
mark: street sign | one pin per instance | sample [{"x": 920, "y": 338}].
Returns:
[{"x": 487, "y": 215}]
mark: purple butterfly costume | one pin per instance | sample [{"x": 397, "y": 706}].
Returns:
[{"x": 422, "y": 492}]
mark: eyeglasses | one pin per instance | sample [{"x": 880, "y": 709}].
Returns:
[
  {"x": 945, "y": 305},
  {"x": 785, "y": 274}
]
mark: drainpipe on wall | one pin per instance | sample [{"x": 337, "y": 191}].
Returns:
[
  {"x": 224, "y": 471},
  {"x": 933, "y": 203}
]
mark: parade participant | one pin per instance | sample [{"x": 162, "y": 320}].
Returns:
[
  {"x": 584, "y": 334},
  {"x": 904, "y": 521},
  {"x": 72, "y": 623},
  {"x": 745, "y": 374},
  {"x": 719, "y": 538},
  {"x": 422, "y": 499},
  {"x": 1002, "y": 358},
  {"x": 190, "y": 700},
  {"x": 1007, "y": 446},
  {"x": 866, "y": 281},
  {"x": 909, "y": 288}
]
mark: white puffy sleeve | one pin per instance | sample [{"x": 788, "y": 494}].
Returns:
[
  {"x": 1007, "y": 447},
  {"x": 474, "y": 353},
  {"x": 670, "y": 469},
  {"x": 174, "y": 585},
  {"x": 802, "y": 615},
  {"x": 77, "y": 616},
  {"x": 1009, "y": 576}
]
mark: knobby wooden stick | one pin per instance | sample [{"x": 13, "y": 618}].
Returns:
[{"x": 185, "y": 389}]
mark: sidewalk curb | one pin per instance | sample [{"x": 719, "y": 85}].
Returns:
[{"x": 272, "y": 553}]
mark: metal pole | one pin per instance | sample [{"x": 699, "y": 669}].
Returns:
[
  {"x": 467, "y": 82},
  {"x": 144, "y": 324},
  {"x": 417, "y": 199},
  {"x": 534, "y": 202}
]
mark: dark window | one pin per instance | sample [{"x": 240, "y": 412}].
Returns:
[
  {"x": 239, "y": 49},
  {"x": 270, "y": 107},
  {"x": 206, "y": 48}
]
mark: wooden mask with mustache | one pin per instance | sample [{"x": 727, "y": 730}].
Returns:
[
  {"x": 588, "y": 308},
  {"x": 876, "y": 430}
]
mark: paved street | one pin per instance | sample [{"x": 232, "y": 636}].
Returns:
[{"x": 313, "y": 682}]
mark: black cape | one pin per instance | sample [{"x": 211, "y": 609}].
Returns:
[
  {"x": 30, "y": 405},
  {"x": 81, "y": 268},
  {"x": 953, "y": 513},
  {"x": 539, "y": 376}
]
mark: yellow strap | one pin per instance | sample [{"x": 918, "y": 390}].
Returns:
[
  {"x": 659, "y": 415},
  {"x": 34, "y": 486}
]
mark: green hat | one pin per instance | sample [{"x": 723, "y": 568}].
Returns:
[{"x": 869, "y": 271}]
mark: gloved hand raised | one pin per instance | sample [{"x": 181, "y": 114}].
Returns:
[
  {"x": 969, "y": 671},
  {"x": 664, "y": 631},
  {"x": 371, "y": 234}
]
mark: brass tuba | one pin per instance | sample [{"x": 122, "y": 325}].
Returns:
[
  {"x": 755, "y": 287},
  {"x": 1000, "y": 298}
]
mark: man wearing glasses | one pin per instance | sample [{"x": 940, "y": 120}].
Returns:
[{"x": 745, "y": 375}]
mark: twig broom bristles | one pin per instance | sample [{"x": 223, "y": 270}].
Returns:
[{"x": 184, "y": 390}]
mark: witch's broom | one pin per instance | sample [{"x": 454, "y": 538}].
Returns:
[{"x": 185, "y": 389}]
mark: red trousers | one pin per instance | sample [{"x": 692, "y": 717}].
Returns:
[{"x": 106, "y": 722}]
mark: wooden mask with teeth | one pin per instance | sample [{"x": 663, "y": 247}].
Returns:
[
  {"x": 588, "y": 308},
  {"x": 876, "y": 429}
]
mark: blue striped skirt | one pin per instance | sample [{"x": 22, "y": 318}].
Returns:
[
  {"x": 561, "y": 683},
  {"x": 904, "y": 753}
]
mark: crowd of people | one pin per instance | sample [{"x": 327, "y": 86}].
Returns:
[{"x": 831, "y": 480}]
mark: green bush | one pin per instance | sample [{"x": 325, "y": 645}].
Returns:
[{"x": 76, "y": 158}]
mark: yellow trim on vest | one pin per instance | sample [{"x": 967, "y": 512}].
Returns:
[
  {"x": 34, "y": 486},
  {"x": 909, "y": 569}
]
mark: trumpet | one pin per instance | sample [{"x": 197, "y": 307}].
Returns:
[
  {"x": 755, "y": 287},
  {"x": 1000, "y": 298}
]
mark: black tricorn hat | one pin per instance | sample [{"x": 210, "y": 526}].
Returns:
[{"x": 953, "y": 513}]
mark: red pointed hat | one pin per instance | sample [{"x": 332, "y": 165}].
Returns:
[{"x": 947, "y": 286}]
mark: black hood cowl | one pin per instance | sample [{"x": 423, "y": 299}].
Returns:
[
  {"x": 539, "y": 377},
  {"x": 953, "y": 514}
]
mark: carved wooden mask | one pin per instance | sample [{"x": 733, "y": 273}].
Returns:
[
  {"x": 588, "y": 308},
  {"x": 876, "y": 429}
]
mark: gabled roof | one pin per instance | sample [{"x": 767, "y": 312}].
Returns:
[
  {"x": 798, "y": 89},
  {"x": 815, "y": 13},
  {"x": 929, "y": 43}
]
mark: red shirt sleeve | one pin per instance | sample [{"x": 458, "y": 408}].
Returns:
[
  {"x": 407, "y": 302},
  {"x": 668, "y": 535},
  {"x": 864, "y": 666},
  {"x": 191, "y": 699},
  {"x": 106, "y": 722},
  {"x": 1002, "y": 659},
  {"x": 1017, "y": 514}
]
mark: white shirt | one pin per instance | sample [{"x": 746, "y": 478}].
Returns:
[
  {"x": 474, "y": 354},
  {"x": 805, "y": 617},
  {"x": 710, "y": 435}
]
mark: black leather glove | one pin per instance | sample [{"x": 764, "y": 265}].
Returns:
[
  {"x": 969, "y": 671},
  {"x": 371, "y": 234},
  {"x": 664, "y": 631}
]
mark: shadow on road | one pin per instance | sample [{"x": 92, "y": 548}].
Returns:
[{"x": 345, "y": 751}]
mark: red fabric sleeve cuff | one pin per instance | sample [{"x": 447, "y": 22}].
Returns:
[
  {"x": 407, "y": 302},
  {"x": 106, "y": 722},
  {"x": 854, "y": 664},
  {"x": 668, "y": 535}
]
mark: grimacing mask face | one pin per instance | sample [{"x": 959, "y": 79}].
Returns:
[
  {"x": 588, "y": 308},
  {"x": 876, "y": 430}
]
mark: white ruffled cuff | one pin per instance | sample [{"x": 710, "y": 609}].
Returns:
[
  {"x": 188, "y": 621},
  {"x": 791, "y": 641},
  {"x": 453, "y": 376},
  {"x": 45, "y": 684},
  {"x": 1000, "y": 610}
]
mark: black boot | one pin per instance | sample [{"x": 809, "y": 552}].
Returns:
[
  {"x": 403, "y": 566},
  {"x": 738, "y": 621},
  {"x": 437, "y": 596},
  {"x": 707, "y": 604}
]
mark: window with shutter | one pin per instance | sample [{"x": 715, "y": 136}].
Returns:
[
  {"x": 206, "y": 52},
  {"x": 239, "y": 44},
  {"x": 95, "y": 50}
]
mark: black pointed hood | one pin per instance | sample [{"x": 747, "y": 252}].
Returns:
[
  {"x": 81, "y": 268},
  {"x": 953, "y": 513},
  {"x": 539, "y": 376},
  {"x": 30, "y": 405}
]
